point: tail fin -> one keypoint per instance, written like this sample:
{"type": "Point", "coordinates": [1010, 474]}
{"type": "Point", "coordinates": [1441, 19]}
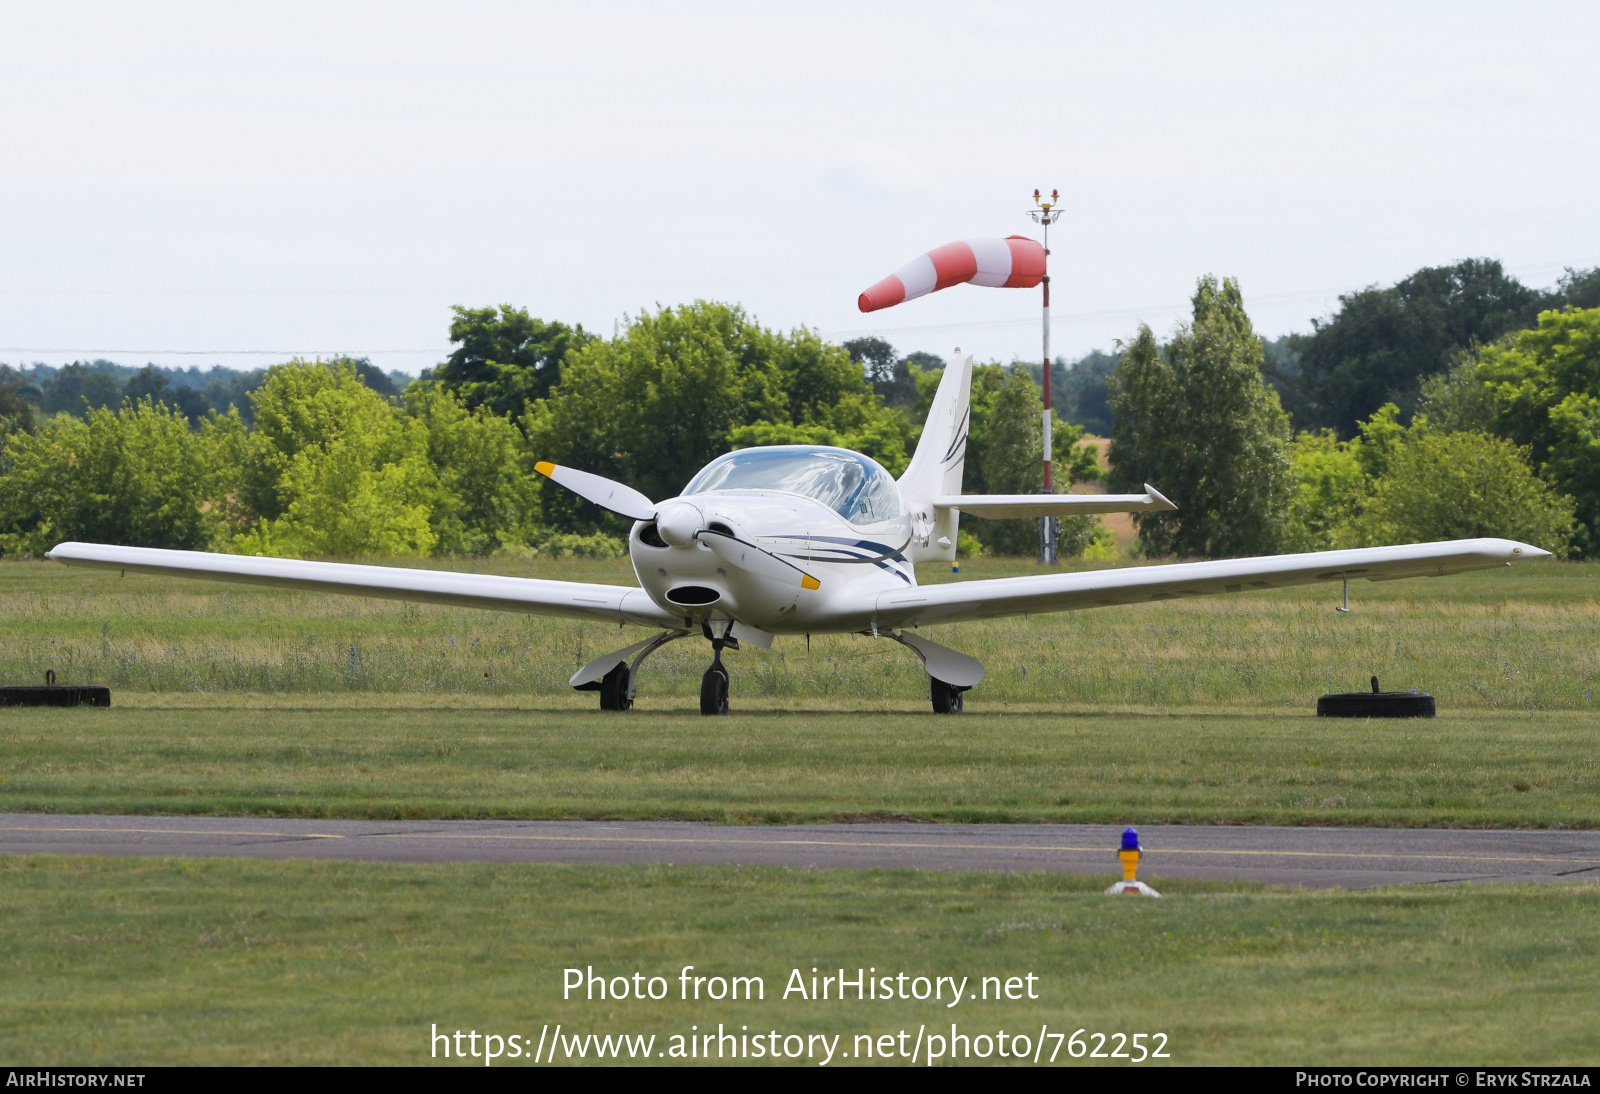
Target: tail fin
{"type": "Point", "coordinates": [936, 468]}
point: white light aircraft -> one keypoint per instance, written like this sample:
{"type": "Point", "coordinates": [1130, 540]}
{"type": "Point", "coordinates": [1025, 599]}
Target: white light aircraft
{"type": "Point", "coordinates": [801, 540]}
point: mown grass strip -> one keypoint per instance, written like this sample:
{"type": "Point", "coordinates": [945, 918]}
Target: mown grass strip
{"type": "Point", "coordinates": [390, 759]}
{"type": "Point", "coordinates": [150, 961]}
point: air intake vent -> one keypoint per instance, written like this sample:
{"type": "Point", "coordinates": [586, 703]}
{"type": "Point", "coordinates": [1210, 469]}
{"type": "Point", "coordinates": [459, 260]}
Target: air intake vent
{"type": "Point", "coordinates": [720, 528]}
{"type": "Point", "coordinates": [693, 596]}
{"type": "Point", "coordinates": [650, 536]}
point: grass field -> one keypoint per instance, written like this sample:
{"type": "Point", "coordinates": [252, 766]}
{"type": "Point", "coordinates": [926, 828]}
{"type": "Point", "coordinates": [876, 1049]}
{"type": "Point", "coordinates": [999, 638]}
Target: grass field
{"type": "Point", "coordinates": [1525, 638]}
{"type": "Point", "coordinates": [253, 701]}
{"type": "Point", "coordinates": [163, 961]}
{"type": "Point", "coordinates": [421, 756]}
{"type": "Point", "coordinates": [233, 700]}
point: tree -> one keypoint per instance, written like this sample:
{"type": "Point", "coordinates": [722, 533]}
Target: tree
{"type": "Point", "coordinates": [890, 375]}
{"type": "Point", "coordinates": [1331, 488]}
{"type": "Point", "coordinates": [1382, 342]}
{"type": "Point", "coordinates": [16, 412]}
{"type": "Point", "coordinates": [77, 387]}
{"type": "Point", "coordinates": [1081, 390]}
{"type": "Point", "coordinates": [680, 386]}
{"type": "Point", "coordinates": [150, 383]}
{"type": "Point", "coordinates": [507, 359]}
{"type": "Point", "coordinates": [1440, 486]}
{"type": "Point", "coordinates": [132, 477]}
{"type": "Point", "coordinates": [1577, 289]}
{"type": "Point", "coordinates": [1544, 387]}
{"type": "Point", "coordinates": [486, 498]}
{"type": "Point", "coordinates": [335, 469]}
{"type": "Point", "coordinates": [1005, 455]}
{"type": "Point", "coordinates": [1197, 421]}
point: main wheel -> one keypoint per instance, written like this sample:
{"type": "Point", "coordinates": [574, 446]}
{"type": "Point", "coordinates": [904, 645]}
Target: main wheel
{"type": "Point", "coordinates": [946, 697]}
{"type": "Point", "coordinates": [614, 689]}
{"type": "Point", "coordinates": [714, 691]}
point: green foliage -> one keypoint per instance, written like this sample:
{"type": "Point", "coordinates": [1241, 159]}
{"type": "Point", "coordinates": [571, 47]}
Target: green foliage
{"type": "Point", "coordinates": [16, 411]}
{"type": "Point", "coordinates": [335, 469]}
{"type": "Point", "coordinates": [131, 476]}
{"type": "Point", "coordinates": [1005, 455]}
{"type": "Point", "coordinates": [78, 387]}
{"type": "Point", "coordinates": [1419, 484]}
{"type": "Point", "coordinates": [892, 377]}
{"type": "Point", "coordinates": [1382, 342]}
{"type": "Point", "coordinates": [148, 383]}
{"type": "Point", "coordinates": [486, 496]}
{"type": "Point", "coordinates": [1439, 486]}
{"type": "Point", "coordinates": [1331, 487]}
{"type": "Point", "coordinates": [506, 358]}
{"type": "Point", "coordinates": [1544, 387]}
{"type": "Point", "coordinates": [568, 545]}
{"type": "Point", "coordinates": [1196, 420]}
{"type": "Point", "coordinates": [680, 386]}
{"type": "Point", "coordinates": [1083, 394]}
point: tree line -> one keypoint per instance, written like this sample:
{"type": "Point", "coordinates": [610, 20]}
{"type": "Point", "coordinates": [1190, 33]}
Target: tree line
{"type": "Point", "coordinates": [1506, 442]}
{"type": "Point", "coordinates": [1252, 438]}
{"type": "Point", "coordinates": [322, 462]}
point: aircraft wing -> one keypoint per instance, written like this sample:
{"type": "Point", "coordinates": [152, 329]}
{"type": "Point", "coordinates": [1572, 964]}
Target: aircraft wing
{"type": "Point", "coordinates": [987, 599]}
{"type": "Point", "coordinates": [571, 599]}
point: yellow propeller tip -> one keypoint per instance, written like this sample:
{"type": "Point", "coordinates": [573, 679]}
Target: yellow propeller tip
{"type": "Point", "coordinates": [809, 582]}
{"type": "Point", "coordinates": [544, 467]}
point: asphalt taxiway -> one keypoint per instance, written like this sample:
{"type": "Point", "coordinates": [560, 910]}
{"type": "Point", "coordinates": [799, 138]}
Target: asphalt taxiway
{"type": "Point", "coordinates": [1309, 857]}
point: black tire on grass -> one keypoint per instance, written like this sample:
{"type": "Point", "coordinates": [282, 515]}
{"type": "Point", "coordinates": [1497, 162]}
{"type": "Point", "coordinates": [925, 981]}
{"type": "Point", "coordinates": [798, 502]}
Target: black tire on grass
{"type": "Point", "coordinates": [614, 689]}
{"type": "Point", "coordinates": [1382, 704]}
{"type": "Point", "coordinates": [714, 691]}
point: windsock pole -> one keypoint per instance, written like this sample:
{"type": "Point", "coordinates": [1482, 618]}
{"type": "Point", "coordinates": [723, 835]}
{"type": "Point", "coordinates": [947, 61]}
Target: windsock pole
{"type": "Point", "coordinates": [1047, 215]}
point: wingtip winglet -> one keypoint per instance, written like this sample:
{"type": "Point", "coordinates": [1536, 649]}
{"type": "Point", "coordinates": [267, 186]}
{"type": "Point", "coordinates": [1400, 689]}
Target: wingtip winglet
{"type": "Point", "coordinates": [1160, 498]}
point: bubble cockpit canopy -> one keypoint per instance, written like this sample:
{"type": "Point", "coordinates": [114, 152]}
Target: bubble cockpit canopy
{"type": "Point", "coordinates": [852, 485]}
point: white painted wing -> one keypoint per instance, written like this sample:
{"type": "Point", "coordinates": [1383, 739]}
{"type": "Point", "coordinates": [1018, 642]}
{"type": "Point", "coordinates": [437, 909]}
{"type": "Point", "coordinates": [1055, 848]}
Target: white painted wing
{"type": "Point", "coordinates": [1006, 506]}
{"type": "Point", "coordinates": [571, 599]}
{"type": "Point", "coordinates": [995, 597]}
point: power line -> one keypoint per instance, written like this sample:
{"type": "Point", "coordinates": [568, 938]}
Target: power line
{"type": "Point", "coordinates": [223, 352]}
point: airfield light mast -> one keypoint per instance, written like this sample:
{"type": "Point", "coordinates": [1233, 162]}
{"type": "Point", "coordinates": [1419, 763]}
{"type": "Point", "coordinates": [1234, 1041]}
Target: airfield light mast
{"type": "Point", "coordinates": [1047, 213]}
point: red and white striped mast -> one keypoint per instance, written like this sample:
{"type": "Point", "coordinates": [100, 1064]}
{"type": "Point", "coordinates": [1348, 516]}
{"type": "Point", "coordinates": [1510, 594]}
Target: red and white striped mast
{"type": "Point", "coordinates": [1047, 214]}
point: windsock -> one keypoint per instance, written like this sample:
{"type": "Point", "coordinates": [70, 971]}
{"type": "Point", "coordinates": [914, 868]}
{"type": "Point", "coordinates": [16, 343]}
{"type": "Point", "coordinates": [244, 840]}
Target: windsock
{"type": "Point", "coordinates": [1015, 262]}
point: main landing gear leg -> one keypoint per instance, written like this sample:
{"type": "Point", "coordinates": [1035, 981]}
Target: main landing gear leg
{"type": "Point", "coordinates": [714, 684]}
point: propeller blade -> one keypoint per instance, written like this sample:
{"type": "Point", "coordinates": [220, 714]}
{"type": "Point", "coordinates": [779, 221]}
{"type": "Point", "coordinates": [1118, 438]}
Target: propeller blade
{"type": "Point", "coordinates": [612, 496]}
{"type": "Point", "coordinates": [747, 556]}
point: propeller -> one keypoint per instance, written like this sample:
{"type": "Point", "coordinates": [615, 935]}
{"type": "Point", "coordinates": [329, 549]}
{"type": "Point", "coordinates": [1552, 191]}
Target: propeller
{"type": "Point", "coordinates": [611, 496]}
{"type": "Point", "coordinates": [625, 501]}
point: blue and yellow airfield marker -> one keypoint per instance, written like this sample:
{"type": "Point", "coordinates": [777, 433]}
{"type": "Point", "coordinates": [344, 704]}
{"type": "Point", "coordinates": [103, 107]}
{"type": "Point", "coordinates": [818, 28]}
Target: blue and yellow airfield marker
{"type": "Point", "coordinates": [1129, 854]}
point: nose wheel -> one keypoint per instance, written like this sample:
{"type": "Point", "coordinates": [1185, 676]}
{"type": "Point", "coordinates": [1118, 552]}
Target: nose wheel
{"type": "Point", "coordinates": [714, 684]}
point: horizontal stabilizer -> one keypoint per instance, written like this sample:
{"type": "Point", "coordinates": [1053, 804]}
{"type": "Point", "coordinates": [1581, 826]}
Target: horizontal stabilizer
{"type": "Point", "coordinates": [1008, 506]}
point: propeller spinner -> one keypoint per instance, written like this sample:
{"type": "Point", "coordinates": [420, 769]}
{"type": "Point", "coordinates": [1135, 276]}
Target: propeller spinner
{"type": "Point", "coordinates": [682, 521]}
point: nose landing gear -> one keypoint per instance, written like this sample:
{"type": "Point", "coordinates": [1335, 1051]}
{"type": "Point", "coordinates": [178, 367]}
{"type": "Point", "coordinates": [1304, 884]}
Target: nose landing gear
{"type": "Point", "coordinates": [714, 684]}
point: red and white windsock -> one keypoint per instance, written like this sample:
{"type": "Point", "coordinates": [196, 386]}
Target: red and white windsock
{"type": "Point", "coordinates": [1015, 262]}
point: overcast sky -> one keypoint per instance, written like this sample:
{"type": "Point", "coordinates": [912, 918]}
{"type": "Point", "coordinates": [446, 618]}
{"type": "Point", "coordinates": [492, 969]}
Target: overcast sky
{"type": "Point", "coordinates": [318, 178]}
